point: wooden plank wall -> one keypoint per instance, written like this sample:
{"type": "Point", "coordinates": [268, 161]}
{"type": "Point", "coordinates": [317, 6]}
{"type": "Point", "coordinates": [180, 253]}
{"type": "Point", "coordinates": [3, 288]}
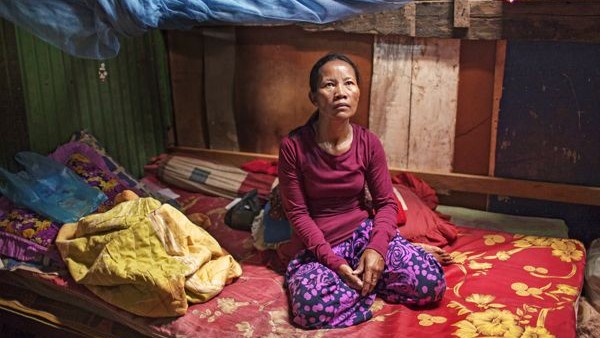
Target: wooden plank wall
{"type": "Point", "coordinates": [548, 127]}
{"type": "Point", "coordinates": [433, 104]}
{"type": "Point", "coordinates": [219, 75]}
{"type": "Point", "coordinates": [480, 86]}
{"type": "Point", "coordinates": [186, 63]}
{"type": "Point", "coordinates": [389, 113]}
{"type": "Point", "coordinates": [273, 67]}
{"type": "Point", "coordinates": [409, 92]}
{"type": "Point", "coordinates": [466, 99]}
{"type": "Point", "coordinates": [270, 91]}
{"type": "Point", "coordinates": [413, 100]}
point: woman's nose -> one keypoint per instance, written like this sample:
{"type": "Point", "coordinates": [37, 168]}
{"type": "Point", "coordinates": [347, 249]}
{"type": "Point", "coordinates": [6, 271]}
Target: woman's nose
{"type": "Point", "coordinates": [340, 92]}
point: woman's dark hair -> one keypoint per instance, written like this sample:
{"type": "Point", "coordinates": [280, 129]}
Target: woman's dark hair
{"type": "Point", "coordinates": [314, 72]}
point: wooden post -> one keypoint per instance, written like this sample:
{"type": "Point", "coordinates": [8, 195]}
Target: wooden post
{"type": "Point", "coordinates": [498, 82]}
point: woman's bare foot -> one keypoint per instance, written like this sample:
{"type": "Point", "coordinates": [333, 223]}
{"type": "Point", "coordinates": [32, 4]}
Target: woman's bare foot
{"type": "Point", "coordinates": [438, 253]}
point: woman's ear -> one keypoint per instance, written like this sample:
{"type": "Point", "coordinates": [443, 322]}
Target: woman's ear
{"type": "Point", "coordinates": [311, 97]}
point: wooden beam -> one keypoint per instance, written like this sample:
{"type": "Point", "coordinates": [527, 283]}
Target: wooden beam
{"type": "Point", "coordinates": [234, 158]}
{"type": "Point", "coordinates": [486, 19]}
{"type": "Point", "coordinates": [462, 13]}
{"type": "Point", "coordinates": [401, 22]}
{"type": "Point", "coordinates": [557, 192]}
{"type": "Point", "coordinates": [498, 84]}
{"type": "Point", "coordinates": [510, 187]}
{"type": "Point", "coordinates": [552, 20]}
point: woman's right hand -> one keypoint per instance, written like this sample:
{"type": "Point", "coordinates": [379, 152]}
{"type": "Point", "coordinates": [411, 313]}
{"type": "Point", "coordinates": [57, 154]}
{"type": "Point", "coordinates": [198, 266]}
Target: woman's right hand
{"type": "Point", "coordinates": [352, 280]}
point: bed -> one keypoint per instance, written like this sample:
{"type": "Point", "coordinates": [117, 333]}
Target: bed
{"type": "Point", "coordinates": [502, 284]}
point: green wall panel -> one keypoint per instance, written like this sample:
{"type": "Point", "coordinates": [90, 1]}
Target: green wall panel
{"type": "Point", "coordinates": [13, 119]}
{"type": "Point", "coordinates": [129, 112]}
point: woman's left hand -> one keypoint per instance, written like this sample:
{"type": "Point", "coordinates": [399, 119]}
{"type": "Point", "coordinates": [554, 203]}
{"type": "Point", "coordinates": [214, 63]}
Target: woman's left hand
{"type": "Point", "coordinates": [371, 266]}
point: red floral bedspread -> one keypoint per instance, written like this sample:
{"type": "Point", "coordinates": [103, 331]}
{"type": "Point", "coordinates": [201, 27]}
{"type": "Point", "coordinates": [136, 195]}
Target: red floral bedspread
{"type": "Point", "coordinates": [502, 285]}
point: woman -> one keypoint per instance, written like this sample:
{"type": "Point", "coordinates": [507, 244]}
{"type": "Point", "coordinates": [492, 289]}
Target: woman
{"type": "Point", "coordinates": [349, 256]}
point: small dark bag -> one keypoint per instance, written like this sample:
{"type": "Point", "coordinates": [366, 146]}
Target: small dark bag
{"type": "Point", "coordinates": [242, 214]}
{"type": "Point", "coordinates": [276, 212]}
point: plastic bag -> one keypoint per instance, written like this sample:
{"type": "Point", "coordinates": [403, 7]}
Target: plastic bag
{"type": "Point", "coordinates": [242, 214]}
{"type": "Point", "coordinates": [49, 188]}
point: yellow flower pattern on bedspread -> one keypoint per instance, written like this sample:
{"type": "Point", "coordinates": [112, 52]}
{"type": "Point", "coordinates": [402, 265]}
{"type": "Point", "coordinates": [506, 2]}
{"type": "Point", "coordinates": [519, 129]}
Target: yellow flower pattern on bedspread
{"type": "Point", "coordinates": [502, 285]}
{"type": "Point", "coordinates": [483, 317]}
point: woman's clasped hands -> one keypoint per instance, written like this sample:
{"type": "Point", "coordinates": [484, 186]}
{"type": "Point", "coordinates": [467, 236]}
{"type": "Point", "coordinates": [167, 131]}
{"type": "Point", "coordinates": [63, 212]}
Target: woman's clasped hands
{"type": "Point", "coordinates": [367, 273]}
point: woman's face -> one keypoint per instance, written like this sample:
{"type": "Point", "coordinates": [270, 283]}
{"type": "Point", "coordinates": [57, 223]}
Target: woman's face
{"type": "Point", "coordinates": [337, 91]}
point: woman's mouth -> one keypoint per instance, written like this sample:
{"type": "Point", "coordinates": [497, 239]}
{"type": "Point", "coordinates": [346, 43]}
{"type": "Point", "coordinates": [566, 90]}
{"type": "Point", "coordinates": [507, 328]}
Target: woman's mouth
{"type": "Point", "coordinates": [341, 105]}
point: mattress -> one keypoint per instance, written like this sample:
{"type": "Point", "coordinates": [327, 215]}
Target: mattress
{"type": "Point", "coordinates": [502, 285]}
{"type": "Point", "coordinates": [526, 225]}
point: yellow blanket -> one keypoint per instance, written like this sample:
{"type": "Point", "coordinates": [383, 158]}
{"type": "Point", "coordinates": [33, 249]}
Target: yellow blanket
{"type": "Point", "coordinates": [146, 258]}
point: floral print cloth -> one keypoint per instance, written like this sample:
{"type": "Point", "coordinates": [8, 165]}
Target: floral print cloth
{"type": "Point", "coordinates": [26, 235]}
{"type": "Point", "coordinates": [97, 178]}
{"type": "Point", "coordinates": [321, 299]}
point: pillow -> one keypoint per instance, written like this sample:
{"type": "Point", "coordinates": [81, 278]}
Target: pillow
{"type": "Point", "coordinates": [113, 166]}
{"type": "Point", "coordinates": [425, 192]}
{"type": "Point", "coordinates": [194, 174]}
{"type": "Point", "coordinates": [94, 176]}
{"type": "Point", "coordinates": [64, 151]}
{"type": "Point", "coordinates": [423, 225]}
{"type": "Point", "coordinates": [261, 166]}
{"type": "Point", "coordinates": [28, 236]}
{"type": "Point", "coordinates": [25, 235]}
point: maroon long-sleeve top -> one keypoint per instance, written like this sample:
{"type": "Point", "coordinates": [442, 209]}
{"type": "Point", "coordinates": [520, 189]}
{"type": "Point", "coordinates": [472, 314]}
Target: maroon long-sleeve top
{"type": "Point", "coordinates": [323, 194]}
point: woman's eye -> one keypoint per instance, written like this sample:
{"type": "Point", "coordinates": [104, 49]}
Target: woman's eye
{"type": "Point", "coordinates": [349, 83]}
{"type": "Point", "coordinates": [329, 84]}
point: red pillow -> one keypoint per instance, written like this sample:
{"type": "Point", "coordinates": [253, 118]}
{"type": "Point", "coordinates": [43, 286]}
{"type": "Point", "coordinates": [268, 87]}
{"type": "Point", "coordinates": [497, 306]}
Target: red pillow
{"type": "Point", "coordinates": [401, 218]}
{"type": "Point", "coordinates": [425, 192]}
{"type": "Point", "coordinates": [423, 225]}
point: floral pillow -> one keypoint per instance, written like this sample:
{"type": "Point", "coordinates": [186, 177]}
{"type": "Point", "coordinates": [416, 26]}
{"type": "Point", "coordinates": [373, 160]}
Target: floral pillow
{"type": "Point", "coordinates": [97, 178]}
{"type": "Point", "coordinates": [113, 166]}
{"type": "Point", "coordinates": [28, 236]}
{"type": "Point", "coordinates": [25, 235]}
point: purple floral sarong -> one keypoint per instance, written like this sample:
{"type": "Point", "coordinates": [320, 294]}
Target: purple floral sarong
{"type": "Point", "coordinates": [319, 298]}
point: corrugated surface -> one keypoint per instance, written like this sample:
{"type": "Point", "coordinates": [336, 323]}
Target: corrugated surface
{"type": "Point", "coordinates": [13, 124]}
{"type": "Point", "coordinates": [129, 112]}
